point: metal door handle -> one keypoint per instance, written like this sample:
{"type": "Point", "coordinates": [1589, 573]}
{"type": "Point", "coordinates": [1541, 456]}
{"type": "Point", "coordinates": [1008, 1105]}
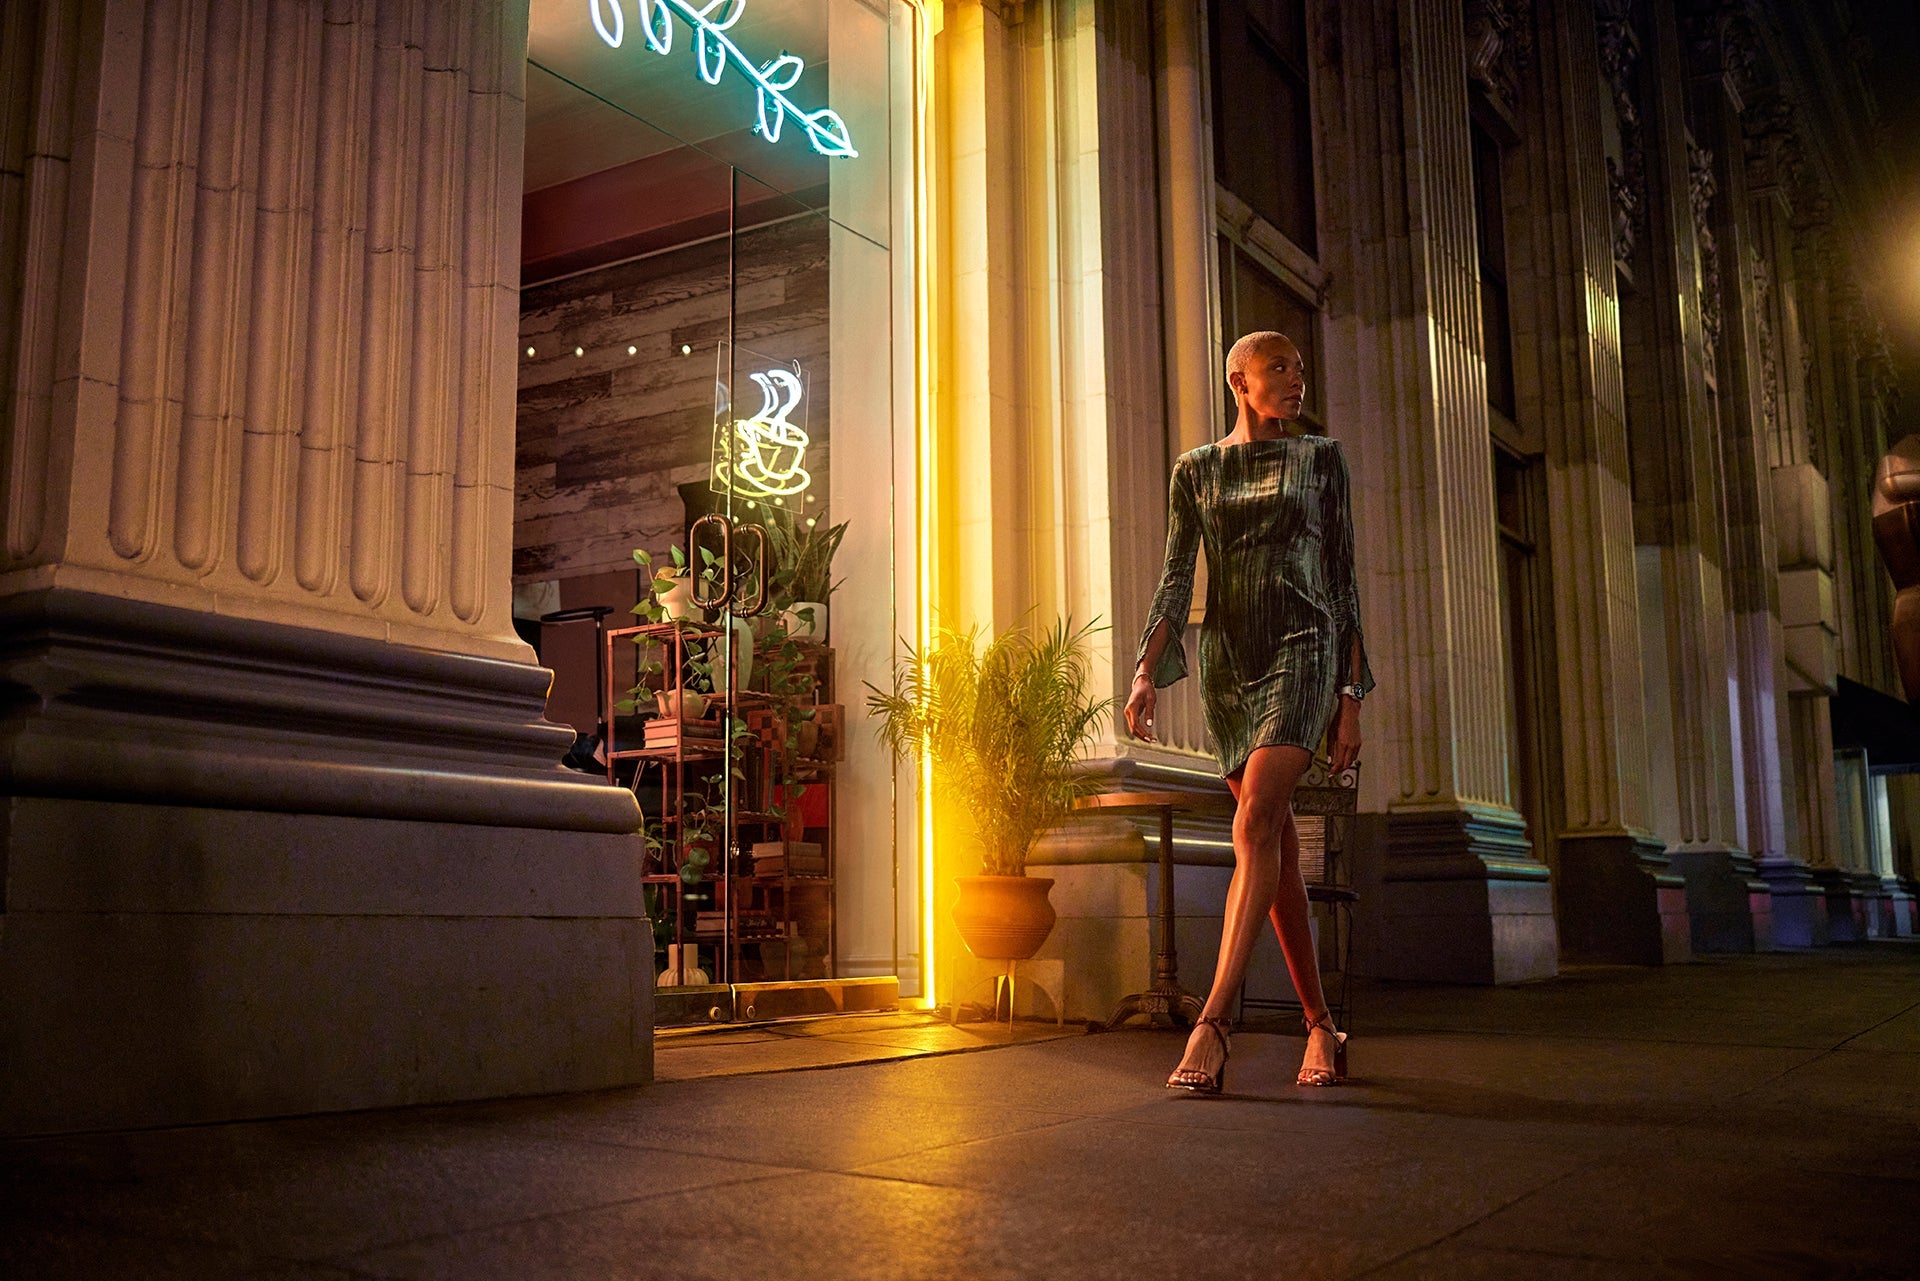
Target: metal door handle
{"type": "Point", "coordinates": [726, 560]}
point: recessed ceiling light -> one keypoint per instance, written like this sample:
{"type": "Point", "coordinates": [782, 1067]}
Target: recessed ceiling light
{"type": "Point", "coordinates": [529, 351]}
{"type": "Point", "coordinates": [685, 350]}
{"type": "Point", "coordinates": [633, 351]}
{"type": "Point", "coordinates": [579, 351]}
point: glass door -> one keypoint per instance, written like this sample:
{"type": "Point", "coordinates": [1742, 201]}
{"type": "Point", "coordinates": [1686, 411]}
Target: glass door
{"type": "Point", "coordinates": [709, 314]}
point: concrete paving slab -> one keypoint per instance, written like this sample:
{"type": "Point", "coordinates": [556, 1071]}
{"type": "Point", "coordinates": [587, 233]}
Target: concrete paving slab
{"type": "Point", "coordinates": [840, 1226]}
{"type": "Point", "coordinates": [1753, 1116]}
{"type": "Point", "coordinates": [306, 1190]}
{"type": "Point", "coordinates": [1697, 1215]}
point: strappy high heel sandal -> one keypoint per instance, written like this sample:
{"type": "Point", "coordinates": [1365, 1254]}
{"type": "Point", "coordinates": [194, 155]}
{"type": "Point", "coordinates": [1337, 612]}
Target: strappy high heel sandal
{"type": "Point", "coordinates": [1205, 1082]}
{"type": "Point", "coordinates": [1320, 1076]}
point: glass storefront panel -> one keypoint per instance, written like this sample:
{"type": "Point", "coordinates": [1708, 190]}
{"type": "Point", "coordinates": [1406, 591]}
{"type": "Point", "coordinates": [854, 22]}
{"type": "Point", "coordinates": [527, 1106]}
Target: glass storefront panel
{"type": "Point", "coordinates": [716, 339]}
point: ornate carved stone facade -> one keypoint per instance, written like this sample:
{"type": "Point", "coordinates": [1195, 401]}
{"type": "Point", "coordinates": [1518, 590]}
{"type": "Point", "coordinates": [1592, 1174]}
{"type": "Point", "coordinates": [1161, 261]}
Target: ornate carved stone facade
{"type": "Point", "coordinates": [1626, 170]}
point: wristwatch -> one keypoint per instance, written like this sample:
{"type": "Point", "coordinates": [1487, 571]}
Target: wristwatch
{"type": "Point", "coordinates": [1354, 691]}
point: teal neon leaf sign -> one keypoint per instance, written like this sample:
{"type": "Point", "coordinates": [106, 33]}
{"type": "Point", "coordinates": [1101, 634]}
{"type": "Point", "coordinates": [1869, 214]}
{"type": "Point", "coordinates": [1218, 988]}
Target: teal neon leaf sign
{"type": "Point", "coordinates": [714, 49]}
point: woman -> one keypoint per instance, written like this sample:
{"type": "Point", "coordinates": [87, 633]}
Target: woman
{"type": "Point", "coordinates": [1281, 655]}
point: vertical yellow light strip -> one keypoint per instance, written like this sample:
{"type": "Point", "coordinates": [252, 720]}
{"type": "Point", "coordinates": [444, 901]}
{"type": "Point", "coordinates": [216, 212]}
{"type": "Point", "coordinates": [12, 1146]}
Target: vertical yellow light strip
{"type": "Point", "coordinates": [923, 464]}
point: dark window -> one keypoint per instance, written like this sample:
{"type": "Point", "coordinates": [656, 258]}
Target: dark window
{"type": "Point", "coordinates": [1262, 114]}
{"type": "Point", "coordinates": [1253, 298]}
{"type": "Point", "coordinates": [1495, 319]}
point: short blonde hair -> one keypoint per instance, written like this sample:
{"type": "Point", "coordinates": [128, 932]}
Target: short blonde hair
{"type": "Point", "coordinates": [1243, 351]}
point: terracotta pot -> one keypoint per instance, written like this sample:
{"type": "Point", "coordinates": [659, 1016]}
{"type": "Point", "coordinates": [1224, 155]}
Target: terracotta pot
{"type": "Point", "coordinates": [1003, 918]}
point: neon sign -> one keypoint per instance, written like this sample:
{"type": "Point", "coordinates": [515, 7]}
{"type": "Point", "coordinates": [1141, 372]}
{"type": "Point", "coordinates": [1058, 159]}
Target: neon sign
{"type": "Point", "coordinates": [770, 449]}
{"type": "Point", "coordinates": [714, 49]}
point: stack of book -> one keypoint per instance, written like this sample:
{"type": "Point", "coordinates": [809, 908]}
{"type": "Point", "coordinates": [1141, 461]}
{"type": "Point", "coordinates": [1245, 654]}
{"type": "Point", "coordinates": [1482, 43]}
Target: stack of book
{"type": "Point", "coordinates": [690, 735]}
{"type": "Point", "coordinates": [789, 858]}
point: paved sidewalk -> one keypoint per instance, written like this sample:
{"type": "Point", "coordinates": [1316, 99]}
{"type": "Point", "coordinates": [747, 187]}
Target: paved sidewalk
{"type": "Point", "coordinates": [1741, 1117]}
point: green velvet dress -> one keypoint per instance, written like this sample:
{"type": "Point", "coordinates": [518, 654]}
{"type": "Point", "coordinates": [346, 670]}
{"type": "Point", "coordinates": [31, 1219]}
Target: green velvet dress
{"type": "Point", "coordinates": [1283, 612]}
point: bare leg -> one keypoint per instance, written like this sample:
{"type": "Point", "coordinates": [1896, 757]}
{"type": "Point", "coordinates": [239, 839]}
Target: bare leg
{"type": "Point", "coordinates": [1292, 917]}
{"type": "Point", "coordinates": [1264, 792]}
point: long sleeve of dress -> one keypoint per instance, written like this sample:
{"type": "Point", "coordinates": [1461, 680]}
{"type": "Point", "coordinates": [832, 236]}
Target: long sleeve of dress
{"type": "Point", "coordinates": [1174, 599]}
{"type": "Point", "coordinates": [1343, 593]}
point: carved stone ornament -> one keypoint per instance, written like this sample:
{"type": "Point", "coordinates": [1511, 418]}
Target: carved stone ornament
{"type": "Point", "coordinates": [1774, 158]}
{"type": "Point", "coordinates": [1499, 46]}
{"type": "Point", "coordinates": [1701, 188]}
{"type": "Point", "coordinates": [1626, 179]}
{"type": "Point", "coordinates": [1769, 356]}
{"type": "Point", "coordinates": [1720, 40]}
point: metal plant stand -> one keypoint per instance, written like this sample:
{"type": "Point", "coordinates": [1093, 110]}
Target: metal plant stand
{"type": "Point", "coordinates": [1166, 998]}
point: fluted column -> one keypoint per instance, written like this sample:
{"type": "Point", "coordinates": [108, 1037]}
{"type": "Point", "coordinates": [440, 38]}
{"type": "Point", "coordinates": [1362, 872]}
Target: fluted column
{"type": "Point", "coordinates": [270, 265]}
{"type": "Point", "coordinates": [1719, 52]}
{"type": "Point", "coordinates": [1610, 873]}
{"type": "Point", "coordinates": [1803, 536]}
{"type": "Point", "coordinates": [1463, 896]}
{"type": "Point", "coordinates": [284, 826]}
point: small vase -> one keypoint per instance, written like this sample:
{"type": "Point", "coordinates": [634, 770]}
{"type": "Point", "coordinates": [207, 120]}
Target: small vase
{"type": "Point", "coordinates": [678, 599]}
{"type": "Point", "coordinates": [683, 967]}
{"type": "Point", "coordinates": [808, 626]}
{"type": "Point", "coordinates": [1003, 918]}
{"type": "Point", "coordinates": [742, 653]}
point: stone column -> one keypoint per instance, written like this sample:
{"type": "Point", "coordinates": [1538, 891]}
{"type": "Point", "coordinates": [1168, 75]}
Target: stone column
{"type": "Point", "coordinates": [286, 827]}
{"type": "Point", "coordinates": [1803, 534]}
{"type": "Point", "coordinates": [1673, 445]}
{"type": "Point", "coordinates": [1611, 869]}
{"type": "Point", "coordinates": [1463, 897]}
{"type": "Point", "coordinates": [1730, 906]}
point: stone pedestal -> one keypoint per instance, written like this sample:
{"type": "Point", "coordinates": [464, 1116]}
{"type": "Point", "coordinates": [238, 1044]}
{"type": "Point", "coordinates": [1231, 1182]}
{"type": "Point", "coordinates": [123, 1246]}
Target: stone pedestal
{"type": "Point", "coordinates": [1463, 902]}
{"type": "Point", "coordinates": [1728, 905]}
{"type": "Point", "coordinates": [1799, 903]}
{"type": "Point", "coordinates": [253, 869]}
{"type": "Point", "coordinates": [1621, 901]}
{"type": "Point", "coordinates": [1903, 908]}
{"type": "Point", "coordinates": [165, 965]}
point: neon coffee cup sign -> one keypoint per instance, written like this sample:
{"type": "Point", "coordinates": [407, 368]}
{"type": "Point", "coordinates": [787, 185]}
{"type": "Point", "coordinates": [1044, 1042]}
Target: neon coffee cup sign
{"type": "Point", "coordinates": [714, 49]}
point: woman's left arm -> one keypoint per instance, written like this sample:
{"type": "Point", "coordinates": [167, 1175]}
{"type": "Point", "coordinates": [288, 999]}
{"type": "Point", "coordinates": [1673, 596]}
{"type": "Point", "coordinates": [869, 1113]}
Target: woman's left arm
{"type": "Point", "coordinates": [1343, 595]}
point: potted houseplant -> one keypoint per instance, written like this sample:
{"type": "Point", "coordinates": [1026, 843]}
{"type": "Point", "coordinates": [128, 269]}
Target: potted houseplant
{"type": "Point", "coordinates": [804, 579]}
{"type": "Point", "coordinates": [670, 599]}
{"type": "Point", "coordinates": [1004, 725]}
{"type": "Point", "coordinates": [671, 590]}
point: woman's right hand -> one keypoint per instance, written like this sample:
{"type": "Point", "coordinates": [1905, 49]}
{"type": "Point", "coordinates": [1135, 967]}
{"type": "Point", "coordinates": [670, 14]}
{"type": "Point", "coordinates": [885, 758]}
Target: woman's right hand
{"type": "Point", "coordinates": [1140, 708]}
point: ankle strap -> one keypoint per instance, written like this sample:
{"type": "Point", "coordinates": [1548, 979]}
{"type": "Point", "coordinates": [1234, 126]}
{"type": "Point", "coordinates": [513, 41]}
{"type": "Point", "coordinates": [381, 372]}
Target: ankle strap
{"type": "Point", "coordinates": [1324, 1021]}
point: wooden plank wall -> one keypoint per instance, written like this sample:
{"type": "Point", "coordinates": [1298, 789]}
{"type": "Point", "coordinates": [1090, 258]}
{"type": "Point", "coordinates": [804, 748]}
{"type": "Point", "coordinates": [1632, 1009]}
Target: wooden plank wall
{"type": "Point", "coordinates": [604, 438]}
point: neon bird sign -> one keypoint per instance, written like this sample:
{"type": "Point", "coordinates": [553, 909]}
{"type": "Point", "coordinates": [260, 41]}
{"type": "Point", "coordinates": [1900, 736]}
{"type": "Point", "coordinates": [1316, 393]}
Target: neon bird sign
{"type": "Point", "coordinates": [714, 49]}
{"type": "Point", "coordinates": [771, 449]}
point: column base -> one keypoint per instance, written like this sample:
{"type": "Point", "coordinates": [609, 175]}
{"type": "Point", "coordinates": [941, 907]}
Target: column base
{"type": "Point", "coordinates": [1799, 903]}
{"type": "Point", "coordinates": [1464, 901]}
{"type": "Point", "coordinates": [1871, 908]}
{"type": "Point", "coordinates": [167, 965]}
{"type": "Point", "coordinates": [1903, 908]}
{"type": "Point", "coordinates": [1621, 902]}
{"type": "Point", "coordinates": [112, 699]}
{"type": "Point", "coordinates": [1846, 909]}
{"type": "Point", "coordinates": [253, 869]}
{"type": "Point", "coordinates": [1728, 906]}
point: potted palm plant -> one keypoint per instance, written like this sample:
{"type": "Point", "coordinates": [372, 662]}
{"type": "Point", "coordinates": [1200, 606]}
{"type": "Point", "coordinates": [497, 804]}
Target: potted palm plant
{"type": "Point", "coordinates": [1005, 726]}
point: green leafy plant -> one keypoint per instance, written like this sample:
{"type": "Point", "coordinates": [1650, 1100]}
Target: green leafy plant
{"type": "Point", "coordinates": [1005, 726]}
{"type": "Point", "coordinates": [803, 556]}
